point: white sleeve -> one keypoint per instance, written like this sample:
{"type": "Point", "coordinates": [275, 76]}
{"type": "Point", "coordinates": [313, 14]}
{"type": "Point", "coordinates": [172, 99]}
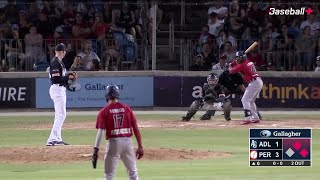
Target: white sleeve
{"type": "Point", "coordinates": [98, 138]}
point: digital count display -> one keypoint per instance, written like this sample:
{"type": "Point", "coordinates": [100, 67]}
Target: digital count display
{"type": "Point", "coordinates": [280, 147]}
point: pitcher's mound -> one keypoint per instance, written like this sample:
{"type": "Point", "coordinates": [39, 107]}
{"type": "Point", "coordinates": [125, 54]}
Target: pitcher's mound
{"type": "Point", "coordinates": [66, 154]}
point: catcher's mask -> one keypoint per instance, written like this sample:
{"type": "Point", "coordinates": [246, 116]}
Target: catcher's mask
{"type": "Point", "coordinates": [240, 56]}
{"type": "Point", "coordinates": [212, 79]}
{"type": "Point", "coordinates": [112, 92]}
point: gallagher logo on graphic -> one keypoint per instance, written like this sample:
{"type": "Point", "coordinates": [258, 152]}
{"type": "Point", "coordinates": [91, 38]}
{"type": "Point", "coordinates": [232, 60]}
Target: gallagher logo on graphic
{"type": "Point", "coordinates": [290, 11]}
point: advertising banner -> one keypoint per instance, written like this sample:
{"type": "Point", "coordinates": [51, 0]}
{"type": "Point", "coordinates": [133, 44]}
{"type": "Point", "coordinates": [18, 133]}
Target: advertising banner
{"type": "Point", "coordinates": [285, 93]}
{"type": "Point", "coordinates": [90, 92]}
{"type": "Point", "coordinates": [17, 93]}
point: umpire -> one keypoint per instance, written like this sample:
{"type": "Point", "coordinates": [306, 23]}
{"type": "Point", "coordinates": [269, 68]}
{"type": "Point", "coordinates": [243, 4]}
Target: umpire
{"type": "Point", "coordinates": [59, 80]}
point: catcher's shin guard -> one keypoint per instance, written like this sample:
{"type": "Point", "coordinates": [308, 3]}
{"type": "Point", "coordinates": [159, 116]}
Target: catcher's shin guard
{"type": "Point", "coordinates": [227, 110]}
{"type": "Point", "coordinates": [207, 115]}
{"type": "Point", "coordinates": [189, 115]}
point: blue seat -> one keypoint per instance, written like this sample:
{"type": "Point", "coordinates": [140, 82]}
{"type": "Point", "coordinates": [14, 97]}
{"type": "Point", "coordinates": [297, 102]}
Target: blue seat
{"type": "Point", "coordinates": [40, 66]}
{"type": "Point", "coordinates": [127, 47]}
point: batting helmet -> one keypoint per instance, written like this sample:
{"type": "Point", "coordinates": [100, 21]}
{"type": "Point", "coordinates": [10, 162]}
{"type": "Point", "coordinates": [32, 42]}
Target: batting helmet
{"type": "Point", "coordinates": [240, 56]}
{"type": "Point", "coordinates": [212, 79]}
{"type": "Point", "coordinates": [112, 92]}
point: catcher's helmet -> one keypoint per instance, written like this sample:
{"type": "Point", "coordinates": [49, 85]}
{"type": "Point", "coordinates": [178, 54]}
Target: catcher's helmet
{"type": "Point", "coordinates": [212, 79]}
{"type": "Point", "coordinates": [112, 92]}
{"type": "Point", "coordinates": [240, 56]}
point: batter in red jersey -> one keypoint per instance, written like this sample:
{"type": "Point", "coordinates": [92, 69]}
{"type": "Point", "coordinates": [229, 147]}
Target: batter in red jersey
{"type": "Point", "coordinates": [119, 123]}
{"type": "Point", "coordinates": [255, 84]}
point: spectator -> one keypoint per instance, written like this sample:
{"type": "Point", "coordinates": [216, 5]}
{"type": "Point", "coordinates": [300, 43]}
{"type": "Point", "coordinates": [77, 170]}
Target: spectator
{"type": "Point", "coordinates": [80, 30]}
{"type": "Point", "coordinates": [203, 37]}
{"type": "Point", "coordinates": [69, 14]}
{"type": "Point", "coordinates": [266, 46]}
{"type": "Point", "coordinates": [70, 55]}
{"type": "Point", "coordinates": [87, 55]}
{"type": "Point", "coordinates": [11, 12]}
{"type": "Point", "coordinates": [293, 28]}
{"type": "Point", "coordinates": [234, 10]}
{"type": "Point", "coordinates": [33, 12]}
{"type": "Point", "coordinates": [111, 54]}
{"type": "Point", "coordinates": [34, 49]}
{"type": "Point", "coordinates": [44, 26]}
{"type": "Point", "coordinates": [229, 51]}
{"type": "Point", "coordinates": [318, 65]}
{"type": "Point", "coordinates": [235, 27]}
{"type": "Point", "coordinates": [305, 46]}
{"type": "Point", "coordinates": [140, 18]}
{"type": "Point", "coordinates": [218, 9]}
{"type": "Point", "coordinates": [225, 37]}
{"type": "Point", "coordinates": [99, 28]}
{"type": "Point", "coordinates": [95, 66]}
{"type": "Point", "coordinates": [281, 44]}
{"type": "Point", "coordinates": [255, 16]}
{"type": "Point", "coordinates": [198, 64]}
{"type": "Point", "coordinates": [24, 24]}
{"type": "Point", "coordinates": [257, 59]}
{"type": "Point", "coordinates": [246, 39]}
{"type": "Point", "coordinates": [77, 64]}
{"type": "Point", "coordinates": [127, 19]}
{"type": "Point", "coordinates": [150, 13]}
{"type": "Point", "coordinates": [209, 57]}
{"type": "Point", "coordinates": [312, 22]}
{"type": "Point", "coordinates": [14, 50]}
{"type": "Point", "coordinates": [222, 63]}
{"type": "Point", "coordinates": [215, 25]}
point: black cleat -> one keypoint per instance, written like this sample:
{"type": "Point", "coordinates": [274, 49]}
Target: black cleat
{"type": "Point", "coordinates": [185, 119]}
{"type": "Point", "coordinates": [61, 143]}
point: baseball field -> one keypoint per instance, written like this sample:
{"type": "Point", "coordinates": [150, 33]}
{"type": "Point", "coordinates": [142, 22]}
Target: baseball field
{"type": "Point", "coordinates": [174, 150]}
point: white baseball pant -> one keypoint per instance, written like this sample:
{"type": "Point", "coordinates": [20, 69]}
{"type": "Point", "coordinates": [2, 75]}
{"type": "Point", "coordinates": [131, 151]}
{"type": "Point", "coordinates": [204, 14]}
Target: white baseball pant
{"type": "Point", "coordinates": [59, 98]}
{"type": "Point", "coordinates": [250, 96]}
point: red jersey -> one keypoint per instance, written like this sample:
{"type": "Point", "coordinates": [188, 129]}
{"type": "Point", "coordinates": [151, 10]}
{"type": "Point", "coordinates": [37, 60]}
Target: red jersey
{"type": "Point", "coordinates": [247, 69]}
{"type": "Point", "coordinates": [117, 119]}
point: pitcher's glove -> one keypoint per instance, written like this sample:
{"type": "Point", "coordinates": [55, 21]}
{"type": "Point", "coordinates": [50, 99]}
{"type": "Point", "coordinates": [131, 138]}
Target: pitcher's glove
{"type": "Point", "coordinates": [75, 76]}
{"type": "Point", "coordinates": [95, 157]}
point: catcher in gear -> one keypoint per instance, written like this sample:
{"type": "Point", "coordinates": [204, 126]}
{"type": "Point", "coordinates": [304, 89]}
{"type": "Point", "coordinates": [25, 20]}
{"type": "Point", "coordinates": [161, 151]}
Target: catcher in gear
{"type": "Point", "coordinates": [213, 99]}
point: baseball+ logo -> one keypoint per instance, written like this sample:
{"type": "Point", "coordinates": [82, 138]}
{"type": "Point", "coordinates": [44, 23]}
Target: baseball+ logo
{"type": "Point", "coordinates": [265, 133]}
{"type": "Point", "coordinates": [290, 11]}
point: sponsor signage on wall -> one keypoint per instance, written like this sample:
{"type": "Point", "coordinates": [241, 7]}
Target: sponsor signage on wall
{"type": "Point", "coordinates": [90, 92]}
{"type": "Point", "coordinates": [17, 93]}
{"type": "Point", "coordinates": [288, 93]}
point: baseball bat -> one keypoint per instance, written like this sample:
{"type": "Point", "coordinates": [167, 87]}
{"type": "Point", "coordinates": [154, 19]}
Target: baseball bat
{"type": "Point", "coordinates": [250, 48]}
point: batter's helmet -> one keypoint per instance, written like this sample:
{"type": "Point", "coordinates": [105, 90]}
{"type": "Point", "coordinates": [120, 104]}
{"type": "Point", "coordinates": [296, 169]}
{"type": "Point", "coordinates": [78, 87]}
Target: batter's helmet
{"type": "Point", "coordinates": [112, 92]}
{"type": "Point", "coordinates": [212, 79]}
{"type": "Point", "coordinates": [240, 56]}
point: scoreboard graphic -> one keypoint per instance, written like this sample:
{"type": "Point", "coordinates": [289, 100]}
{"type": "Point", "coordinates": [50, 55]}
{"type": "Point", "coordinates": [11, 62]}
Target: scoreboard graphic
{"type": "Point", "coordinates": [280, 147]}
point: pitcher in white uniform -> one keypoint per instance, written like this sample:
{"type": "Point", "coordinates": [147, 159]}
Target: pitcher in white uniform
{"type": "Point", "coordinates": [59, 80]}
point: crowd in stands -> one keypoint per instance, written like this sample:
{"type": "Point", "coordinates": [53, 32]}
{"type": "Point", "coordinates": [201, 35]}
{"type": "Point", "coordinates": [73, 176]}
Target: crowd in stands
{"type": "Point", "coordinates": [29, 30]}
{"type": "Point", "coordinates": [285, 42]}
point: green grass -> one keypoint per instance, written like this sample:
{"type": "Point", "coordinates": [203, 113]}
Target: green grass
{"type": "Point", "coordinates": [233, 140]}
